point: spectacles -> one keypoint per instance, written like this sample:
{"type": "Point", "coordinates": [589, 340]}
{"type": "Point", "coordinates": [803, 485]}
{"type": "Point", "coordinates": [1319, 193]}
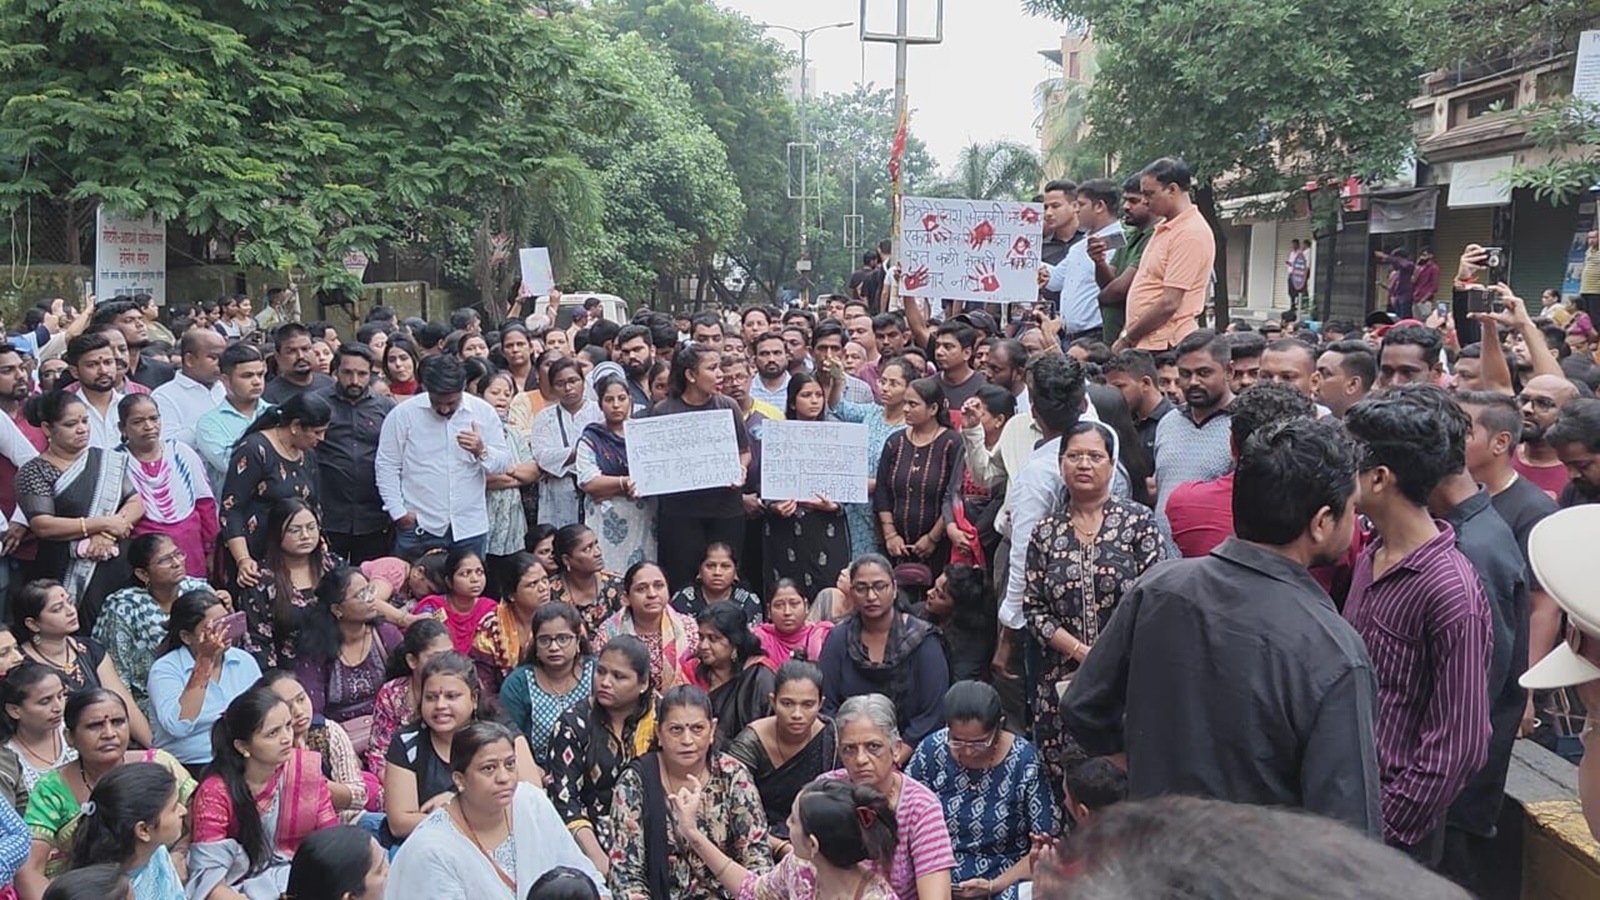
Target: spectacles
{"type": "Point", "coordinates": [309, 528]}
{"type": "Point", "coordinates": [546, 641]}
{"type": "Point", "coordinates": [876, 587]}
{"type": "Point", "coordinates": [1092, 457]}
{"type": "Point", "coordinates": [1544, 403]}
{"type": "Point", "coordinates": [365, 595]}
{"type": "Point", "coordinates": [976, 746]}
{"type": "Point", "coordinates": [873, 749]}
{"type": "Point", "coordinates": [175, 558]}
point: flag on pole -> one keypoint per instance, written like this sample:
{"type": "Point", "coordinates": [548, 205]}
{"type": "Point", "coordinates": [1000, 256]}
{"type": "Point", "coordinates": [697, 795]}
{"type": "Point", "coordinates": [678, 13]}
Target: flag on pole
{"type": "Point", "coordinates": [899, 152]}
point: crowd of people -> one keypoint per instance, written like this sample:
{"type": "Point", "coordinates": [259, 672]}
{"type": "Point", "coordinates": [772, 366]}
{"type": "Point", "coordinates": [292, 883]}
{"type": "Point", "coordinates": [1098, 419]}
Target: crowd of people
{"type": "Point", "coordinates": [287, 609]}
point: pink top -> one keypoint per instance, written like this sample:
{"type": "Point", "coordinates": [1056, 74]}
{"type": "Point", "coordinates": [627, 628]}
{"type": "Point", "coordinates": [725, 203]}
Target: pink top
{"type": "Point", "coordinates": [462, 626]}
{"type": "Point", "coordinates": [924, 845]}
{"type": "Point", "coordinates": [780, 648]}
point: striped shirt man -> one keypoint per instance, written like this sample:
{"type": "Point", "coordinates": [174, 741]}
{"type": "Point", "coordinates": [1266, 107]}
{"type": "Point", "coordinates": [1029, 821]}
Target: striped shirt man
{"type": "Point", "coordinates": [1426, 623]}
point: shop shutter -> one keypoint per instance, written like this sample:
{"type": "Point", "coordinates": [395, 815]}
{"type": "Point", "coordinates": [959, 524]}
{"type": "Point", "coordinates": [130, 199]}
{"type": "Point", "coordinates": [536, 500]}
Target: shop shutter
{"type": "Point", "coordinates": [1541, 235]}
{"type": "Point", "coordinates": [1456, 229]}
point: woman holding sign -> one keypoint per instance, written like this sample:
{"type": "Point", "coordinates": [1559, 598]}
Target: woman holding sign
{"type": "Point", "coordinates": [624, 521]}
{"type": "Point", "coordinates": [689, 520]}
{"type": "Point", "coordinates": [805, 541]}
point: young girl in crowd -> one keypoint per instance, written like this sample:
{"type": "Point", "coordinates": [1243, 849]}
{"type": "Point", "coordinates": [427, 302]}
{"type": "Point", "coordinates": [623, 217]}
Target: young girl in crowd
{"type": "Point", "coordinates": [556, 673]}
{"type": "Point", "coordinates": [465, 606]}
{"type": "Point", "coordinates": [132, 819]}
{"type": "Point", "coordinates": [34, 700]}
{"type": "Point", "coordinates": [503, 639]}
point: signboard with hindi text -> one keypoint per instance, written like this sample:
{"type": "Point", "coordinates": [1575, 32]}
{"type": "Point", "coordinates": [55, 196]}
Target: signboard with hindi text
{"type": "Point", "coordinates": [682, 452]}
{"type": "Point", "coordinates": [130, 256]}
{"type": "Point", "coordinates": [800, 460]}
{"type": "Point", "coordinates": [985, 250]}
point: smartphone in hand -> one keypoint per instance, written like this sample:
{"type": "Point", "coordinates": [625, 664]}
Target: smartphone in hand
{"type": "Point", "coordinates": [232, 626]}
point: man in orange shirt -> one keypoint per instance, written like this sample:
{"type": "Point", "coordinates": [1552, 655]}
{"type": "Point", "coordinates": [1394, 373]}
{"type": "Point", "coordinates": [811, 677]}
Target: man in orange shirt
{"type": "Point", "coordinates": [1169, 289]}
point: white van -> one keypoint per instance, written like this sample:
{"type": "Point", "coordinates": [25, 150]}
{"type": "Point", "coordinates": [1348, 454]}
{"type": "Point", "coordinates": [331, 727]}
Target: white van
{"type": "Point", "coordinates": [613, 307]}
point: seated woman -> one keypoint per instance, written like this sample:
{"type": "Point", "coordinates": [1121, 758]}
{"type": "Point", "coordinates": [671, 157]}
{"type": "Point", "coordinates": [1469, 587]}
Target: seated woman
{"type": "Point", "coordinates": [506, 637]}
{"type": "Point", "coordinates": [599, 737]}
{"type": "Point", "coordinates": [396, 705]}
{"type": "Point", "coordinates": [992, 786]}
{"type": "Point", "coordinates": [582, 578]}
{"type": "Point", "coordinates": [33, 697]}
{"type": "Point", "coordinates": [556, 674]}
{"type": "Point", "coordinates": [463, 606]}
{"type": "Point", "coordinates": [137, 817]}
{"type": "Point", "coordinates": [868, 734]}
{"type": "Point", "coordinates": [961, 606]}
{"type": "Point", "coordinates": [286, 586]}
{"type": "Point", "coordinates": [343, 650]}
{"type": "Point", "coordinates": [788, 749]}
{"type": "Point", "coordinates": [97, 727]}
{"type": "Point", "coordinates": [46, 629]}
{"type": "Point", "coordinates": [671, 636]}
{"type": "Point", "coordinates": [353, 790]}
{"type": "Point", "coordinates": [787, 634]}
{"type": "Point", "coordinates": [134, 619]}
{"type": "Point", "coordinates": [80, 504]}
{"type": "Point", "coordinates": [496, 836]}
{"type": "Point", "coordinates": [406, 583]}
{"type": "Point", "coordinates": [730, 667]}
{"type": "Point", "coordinates": [263, 796]}
{"type": "Point", "coordinates": [648, 858]}
{"type": "Point", "coordinates": [718, 582]}
{"type": "Point", "coordinates": [416, 779]}
{"type": "Point", "coordinates": [197, 674]}
{"type": "Point", "coordinates": [844, 835]}
{"type": "Point", "coordinates": [339, 863]}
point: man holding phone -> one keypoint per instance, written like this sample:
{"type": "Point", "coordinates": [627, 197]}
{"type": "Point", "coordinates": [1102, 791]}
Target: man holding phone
{"type": "Point", "coordinates": [1116, 276]}
{"type": "Point", "coordinates": [1075, 278]}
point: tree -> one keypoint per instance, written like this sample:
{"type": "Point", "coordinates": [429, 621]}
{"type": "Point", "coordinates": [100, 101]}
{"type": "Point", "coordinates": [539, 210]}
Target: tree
{"type": "Point", "coordinates": [299, 131]}
{"type": "Point", "coordinates": [1063, 125]}
{"type": "Point", "coordinates": [1259, 97]}
{"type": "Point", "coordinates": [855, 140]}
{"type": "Point", "coordinates": [733, 73]}
{"type": "Point", "coordinates": [1000, 170]}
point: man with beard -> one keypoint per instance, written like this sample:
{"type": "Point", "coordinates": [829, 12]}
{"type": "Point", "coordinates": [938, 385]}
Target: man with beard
{"type": "Point", "coordinates": [1542, 399]}
{"type": "Point", "coordinates": [771, 385]}
{"type": "Point", "coordinates": [93, 364]}
{"type": "Point", "coordinates": [1192, 443]}
{"type": "Point", "coordinates": [1006, 365]}
{"type": "Point", "coordinates": [1575, 440]}
{"type": "Point", "coordinates": [635, 355]}
{"type": "Point", "coordinates": [1295, 725]}
{"type": "Point", "coordinates": [127, 317]}
{"type": "Point", "coordinates": [296, 373]}
{"type": "Point", "coordinates": [352, 511]}
{"type": "Point", "coordinates": [1138, 222]}
{"type": "Point", "coordinates": [18, 445]}
{"type": "Point", "coordinates": [194, 391]}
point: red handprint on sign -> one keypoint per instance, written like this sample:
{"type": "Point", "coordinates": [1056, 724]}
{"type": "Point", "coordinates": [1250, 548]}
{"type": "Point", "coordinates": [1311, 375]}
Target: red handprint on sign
{"type": "Point", "coordinates": [987, 281]}
{"type": "Point", "coordinates": [915, 280]}
{"type": "Point", "coordinates": [933, 229]}
{"type": "Point", "coordinates": [1028, 216]}
{"type": "Point", "coordinates": [1021, 247]}
{"type": "Point", "coordinates": [981, 234]}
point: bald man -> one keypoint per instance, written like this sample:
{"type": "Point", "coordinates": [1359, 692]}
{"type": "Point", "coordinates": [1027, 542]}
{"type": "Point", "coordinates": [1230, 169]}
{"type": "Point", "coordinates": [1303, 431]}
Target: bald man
{"type": "Point", "coordinates": [1541, 401]}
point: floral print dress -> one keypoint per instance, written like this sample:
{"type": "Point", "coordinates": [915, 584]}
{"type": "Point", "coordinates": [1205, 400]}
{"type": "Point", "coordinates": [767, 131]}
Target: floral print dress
{"type": "Point", "coordinates": [730, 815]}
{"type": "Point", "coordinates": [131, 626]}
{"type": "Point", "coordinates": [1076, 585]}
{"type": "Point", "coordinates": [608, 600]}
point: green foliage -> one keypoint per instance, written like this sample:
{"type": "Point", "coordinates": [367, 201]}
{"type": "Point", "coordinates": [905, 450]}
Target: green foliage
{"type": "Point", "coordinates": [853, 130]}
{"type": "Point", "coordinates": [1063, 125]}
{"type": "Point", "coordinates": [1569, 128]}
{"type": "Point", "coordinates": [733, 74]}
{"type": "Point", "coordinates": [1000, 170]}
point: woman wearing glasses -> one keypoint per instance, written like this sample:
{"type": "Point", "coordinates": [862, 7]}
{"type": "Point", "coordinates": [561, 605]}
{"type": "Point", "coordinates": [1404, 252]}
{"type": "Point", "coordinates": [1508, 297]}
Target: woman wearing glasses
{"type": "Point", "coordinates": [344, 650]}
{"type": "Point", "coordinates": [134, 619]}
{"type": "Point", "coordinates": [1080, 561]}
{"type": "Point", "coordinates": [923, 859]}
{"type": "Point", "coordinates": [879, 650]}
{"type": "Point", "coordinates": [556, 673]}
{"type": "Point", "coordinates": [992, 789]}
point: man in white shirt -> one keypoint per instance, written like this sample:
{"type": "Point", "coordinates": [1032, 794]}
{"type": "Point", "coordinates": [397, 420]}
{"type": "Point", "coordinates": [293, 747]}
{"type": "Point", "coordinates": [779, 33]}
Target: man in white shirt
{"type": "Point", "coordinates": [433, 455]}
{"type": "Point", "coordinates": [93, 364]}
{"type": "Point", "coordinates": [1074, 277]}
{"type": "Point", "coordinates": [196, 389]}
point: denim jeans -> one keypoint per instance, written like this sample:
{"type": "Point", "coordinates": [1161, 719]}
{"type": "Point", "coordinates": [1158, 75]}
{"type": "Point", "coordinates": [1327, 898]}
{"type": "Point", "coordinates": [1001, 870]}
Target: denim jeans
{"type": "Point", "coordinates": [412, 543]}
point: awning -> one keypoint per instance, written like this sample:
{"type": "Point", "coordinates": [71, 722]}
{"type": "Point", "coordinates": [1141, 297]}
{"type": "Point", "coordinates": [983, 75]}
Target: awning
{"type": "Point", "coordinates": [1481, 182]}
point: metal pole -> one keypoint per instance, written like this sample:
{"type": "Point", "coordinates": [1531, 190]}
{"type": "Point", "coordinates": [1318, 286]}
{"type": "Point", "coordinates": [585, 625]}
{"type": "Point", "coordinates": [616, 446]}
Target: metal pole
{"type": "Point", "coordinates": [804, 164]}
{"type": "Point", "coordinates": [902, 22]}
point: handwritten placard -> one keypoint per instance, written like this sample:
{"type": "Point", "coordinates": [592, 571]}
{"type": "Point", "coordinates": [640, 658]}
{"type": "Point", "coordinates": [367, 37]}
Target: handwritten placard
{"type": "Point", "coordinates": [802, 459]}
{"type": "Point", "coordinates": [969, 250]}
{"type": "Point", "coordinates": [538, 277]}
{"type": "Point", "coordinates": [130, 256]}
{"type": "Point", "coordinates": [682, 452]}
{"type": "Point", "coordinates": [1586, 71]}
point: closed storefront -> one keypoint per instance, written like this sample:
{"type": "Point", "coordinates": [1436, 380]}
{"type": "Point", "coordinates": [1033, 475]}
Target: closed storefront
{"type": "Point", "coordinates": [1541, 236]}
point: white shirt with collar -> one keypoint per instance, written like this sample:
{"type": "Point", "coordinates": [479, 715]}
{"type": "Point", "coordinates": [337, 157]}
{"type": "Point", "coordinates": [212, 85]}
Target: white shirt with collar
{"type": "Point", "coordinates": [105, 431]}
{"type": "Point", "coordinates": [422, 470]}
{"type": "Point", "coordinates": [182, 402]}
{"type": "Point", "coordinates": [1073, 278]}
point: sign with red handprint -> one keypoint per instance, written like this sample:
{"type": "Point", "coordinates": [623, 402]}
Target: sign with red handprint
{"type": "Point", "coordinates": [969, 249]}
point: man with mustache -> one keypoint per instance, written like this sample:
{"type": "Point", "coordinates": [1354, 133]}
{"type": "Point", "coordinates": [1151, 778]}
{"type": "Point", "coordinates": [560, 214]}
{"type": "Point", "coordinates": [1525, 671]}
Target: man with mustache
{"type": "Point", "coordinates": [1542, 399]}
{"type": "Point", "coordinates": [1575, 438]}
{"type": "Point", "coordinates": [352, 510]}
{"type": "Point", "coordinates": [1192, 444]}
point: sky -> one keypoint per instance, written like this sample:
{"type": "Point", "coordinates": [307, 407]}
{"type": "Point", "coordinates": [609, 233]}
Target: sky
{"type": "Point", "coordinates": [951, 104]}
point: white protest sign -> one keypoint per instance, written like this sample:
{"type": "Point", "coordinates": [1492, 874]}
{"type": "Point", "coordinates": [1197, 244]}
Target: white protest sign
{"type": "Point", "coordinates": [1586, 71]}
{"type": "Point", "coordinates": [130, 256]}
{"type": "Point", "coordinates": [970, 249]}
{"type": "Point", "coordinates": [537, 275]}
{"type": "Point", "coordinates": [682, 452]}
{"type": "Point", "coordinates": [802, 459]}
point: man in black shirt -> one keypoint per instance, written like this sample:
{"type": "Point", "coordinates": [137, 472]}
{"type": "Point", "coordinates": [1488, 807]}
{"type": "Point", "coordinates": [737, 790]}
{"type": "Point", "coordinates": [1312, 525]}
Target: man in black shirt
{"type": "Point", "coordinates": [353, 519]}
{"type": "Point", "coordinates": [1133, 372]}
{"type": "Point", "coordinates": [1232, 675]}
{"type": "Point", "coordinates": [295, 374]}
{"type": "Point", "coordinates": [1060, 229]}
{"type": "Point", "coordinates": [129, 319]}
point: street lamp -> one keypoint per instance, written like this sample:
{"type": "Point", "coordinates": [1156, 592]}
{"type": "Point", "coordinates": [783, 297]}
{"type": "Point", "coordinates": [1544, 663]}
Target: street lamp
{"type": "Point", "coordinates": [805, 136]}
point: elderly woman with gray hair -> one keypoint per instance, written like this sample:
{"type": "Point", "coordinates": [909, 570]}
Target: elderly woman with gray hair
{"type": "Point", "coordinates": [868, 737]}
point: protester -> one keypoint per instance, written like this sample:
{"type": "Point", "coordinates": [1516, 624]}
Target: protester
{"type": "Point", "coordinates": [671, 636]}
{"type": "Point", "coordinates": [396, 706]}
{"type": "Point", "coordinates": [197, 674]}
{"type": "Point", "coordinates": [171, 481]}
{"type": "Point", "coordinates": [582, 578]}
{"type": "Point", "coordinates": [47, 631]}
{"type": "Point", "coordinates": [789, 748]}
{"type": "Point", "coordinates": [556, 673]}
{"type": "Point", "coordinates": [275, 460]}
{"type": "Point", "coordinates": [134, 619]}
{"type": "Point", "coordinates": [351, 789]}
{"type": "Point", "coordinates": [610, 496]}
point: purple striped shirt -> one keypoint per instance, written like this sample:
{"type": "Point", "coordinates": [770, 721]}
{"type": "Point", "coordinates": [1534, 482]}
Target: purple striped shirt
{"type": "Point", "coordinates": [1427, 627]}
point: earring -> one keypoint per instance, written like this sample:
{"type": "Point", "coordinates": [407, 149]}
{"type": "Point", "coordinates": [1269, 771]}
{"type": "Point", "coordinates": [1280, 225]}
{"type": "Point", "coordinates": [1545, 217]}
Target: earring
{"type": "Point", "coordinates": [245, 753]}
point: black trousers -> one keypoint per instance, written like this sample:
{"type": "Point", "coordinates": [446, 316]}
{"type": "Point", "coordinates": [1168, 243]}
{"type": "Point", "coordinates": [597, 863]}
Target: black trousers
{"type": "Point", "coordinates": [682, 540]}
{"type": "Point", "coordinates": [359, 548]}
